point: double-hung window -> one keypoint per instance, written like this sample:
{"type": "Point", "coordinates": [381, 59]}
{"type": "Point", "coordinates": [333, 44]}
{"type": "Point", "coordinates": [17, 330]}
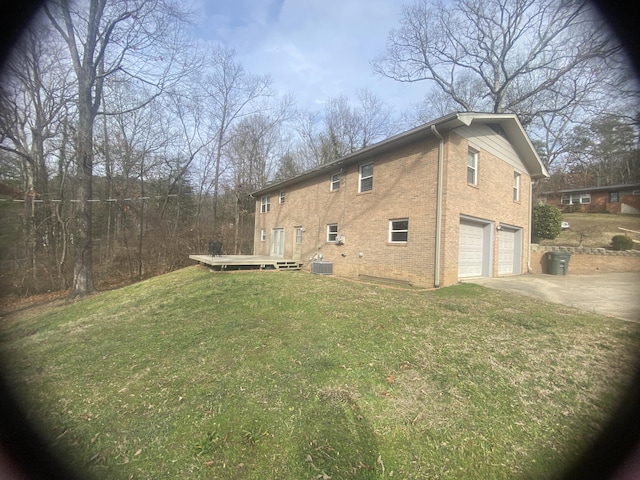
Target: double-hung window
{"type": "Point", "coordinates": [366, 178]}
{"type": "Point", "coordinates": [263, 235]}
{"type": "Point", "coordinates": [472, 167]}
{"type": "Point", "coordinates": [576, 198]}
{"type": "Point", "coordinates": [265, 204]}
{"type": "Point", "coordinates": [399, 230]}
{"type": "Point", "coordinates": [281, 197]}
{"type": "Point", "coordinates": [516, 187]}
{"type": "Point", "coordinates": [335, 182]}
{"type": "Point", "coordinates": [332, 232]}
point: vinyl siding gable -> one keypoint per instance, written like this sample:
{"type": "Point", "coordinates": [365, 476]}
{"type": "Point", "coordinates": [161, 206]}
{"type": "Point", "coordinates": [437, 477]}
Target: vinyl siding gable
{"type": "Point", "coordinates": [483, 137]}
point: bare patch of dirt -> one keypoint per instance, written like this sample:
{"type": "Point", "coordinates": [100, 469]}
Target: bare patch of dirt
{"type": "Point", "coordinates": [11, 305]}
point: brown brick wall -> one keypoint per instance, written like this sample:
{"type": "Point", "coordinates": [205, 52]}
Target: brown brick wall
{"type": "Point", "coordinates": [491, 200]}
{"type": "Point", "coordinates": [589, 261]}
{"type": "Point", "coordinates": [599, 203]}
{"type": "Point", "coordinates": [404, 186]}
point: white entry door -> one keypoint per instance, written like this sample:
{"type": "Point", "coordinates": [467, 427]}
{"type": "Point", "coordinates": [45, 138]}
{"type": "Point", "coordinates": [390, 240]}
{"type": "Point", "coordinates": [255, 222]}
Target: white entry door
{"type": "Point", "coordinates": [277, 242]}
{"type": "Point", "coordinates": [471, 250]}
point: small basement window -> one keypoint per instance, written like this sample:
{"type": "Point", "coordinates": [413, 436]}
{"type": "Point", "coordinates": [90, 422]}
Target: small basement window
{"type": "Point", "coordinates": [399, 230]}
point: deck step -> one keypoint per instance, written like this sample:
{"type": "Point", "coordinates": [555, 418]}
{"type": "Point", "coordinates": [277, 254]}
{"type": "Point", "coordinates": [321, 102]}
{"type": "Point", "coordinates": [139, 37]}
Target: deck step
{"type": "Point", "coordinates": [288, 265]}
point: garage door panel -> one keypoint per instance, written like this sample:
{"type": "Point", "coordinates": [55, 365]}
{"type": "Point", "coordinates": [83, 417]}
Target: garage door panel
{"type": "Point", "coordinates": [506, 252]}
{"type": "Point", "coordinates": [470, 250]}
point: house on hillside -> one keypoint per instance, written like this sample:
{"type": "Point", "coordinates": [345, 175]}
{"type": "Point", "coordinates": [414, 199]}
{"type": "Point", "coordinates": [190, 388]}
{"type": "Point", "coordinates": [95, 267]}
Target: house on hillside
{"type": "Point", "coordinates": [445, 201]}
{"type": "Point", "coordinates": [606, 199]}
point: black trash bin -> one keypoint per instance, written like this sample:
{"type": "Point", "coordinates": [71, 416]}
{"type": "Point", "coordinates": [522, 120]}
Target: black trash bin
{"type": "Point", "coordinates": [559, 263]}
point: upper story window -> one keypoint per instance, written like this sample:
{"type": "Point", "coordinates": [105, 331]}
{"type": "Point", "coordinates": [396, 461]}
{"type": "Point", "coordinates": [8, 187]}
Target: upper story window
{"type": "Point", "coordinates": [335, 182]}
{"type": "Point", "coordinates": [332, 232]}
{"type": "Point", "coordinates": [516, 187]}
{"type": "Point", "coordinates": [366, 178]}
{"type": "Point", "coordinates": [575, 198]}
{"type": "Point", "coordinates": [265, 204]}
{"type": "Point", "coordinates": [399, 230]}
{"type": "Point", "coordinates": [472, 167]}
{"type": "Point", "coordinates": [281, 197]}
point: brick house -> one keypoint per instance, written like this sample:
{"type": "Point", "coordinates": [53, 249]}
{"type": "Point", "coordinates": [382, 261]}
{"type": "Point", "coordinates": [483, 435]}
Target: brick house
{"type": "Point", "coordinates": [447, 200]}
{"type": "Point", "coordinates": [605, 199]}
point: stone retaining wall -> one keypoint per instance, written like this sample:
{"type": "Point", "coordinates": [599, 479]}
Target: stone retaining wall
{"type": "Point", "coordinates": [587, 260]}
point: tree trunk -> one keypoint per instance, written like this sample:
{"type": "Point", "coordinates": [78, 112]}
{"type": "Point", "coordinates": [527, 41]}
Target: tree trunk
{"type": "Point", "coordinates": [83, 267]}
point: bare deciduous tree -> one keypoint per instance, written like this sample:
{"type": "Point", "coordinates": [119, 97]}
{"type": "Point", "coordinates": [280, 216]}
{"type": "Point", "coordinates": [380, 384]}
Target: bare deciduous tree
{"type": "Point", "coordinates": [134, 42]}
{"type": "Point", "coordinates": [33, 97]}
{"type": "Point", "coordinates": [344, 128]}
{"type": "Point", "coordinates": [232, 94]}
{"type": "Point", "coordinates": [531, 57]}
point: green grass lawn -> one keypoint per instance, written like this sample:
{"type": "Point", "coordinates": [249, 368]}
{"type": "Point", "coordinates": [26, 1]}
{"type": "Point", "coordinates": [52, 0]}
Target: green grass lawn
{"type": "Point", "coordinates": [594, 229]}
{"type": "Point", "coordinates": [296, 376]}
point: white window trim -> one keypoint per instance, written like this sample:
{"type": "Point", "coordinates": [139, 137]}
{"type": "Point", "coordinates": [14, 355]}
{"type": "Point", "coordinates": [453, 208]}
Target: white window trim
{"type": "Point", "coordinates": [263, 235]}
{"type": "Point", "coordinates": [516, 186]}
{"type": "Point", "coordinates": [332, 235]}
{"type": "Point", "coordinates": [298, 233]}
{"type": "Point", "coordinates": [361, 178]}
{"type": "Point", "coordinates": [471, 153]}
{"type": "Point", "coordinates": [265, 204]}
{"type": "Point", "coordinates": [391, 230]}
{"type": "Point", "coordinates": [281, 197]}
{"type": "Point", "coordinates": [333, 182]}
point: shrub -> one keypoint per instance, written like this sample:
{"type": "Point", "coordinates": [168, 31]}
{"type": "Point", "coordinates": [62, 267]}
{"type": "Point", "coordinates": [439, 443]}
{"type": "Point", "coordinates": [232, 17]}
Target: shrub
{"type": "Point", "coordinates": [621, 242]}
{"type": "Point", "coordinates": [547, 221]}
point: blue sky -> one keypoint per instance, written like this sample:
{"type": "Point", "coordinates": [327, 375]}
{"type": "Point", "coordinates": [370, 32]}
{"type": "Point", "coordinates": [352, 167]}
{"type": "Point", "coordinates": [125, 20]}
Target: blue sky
{"type": "Point", "coordinates": [313, 48]}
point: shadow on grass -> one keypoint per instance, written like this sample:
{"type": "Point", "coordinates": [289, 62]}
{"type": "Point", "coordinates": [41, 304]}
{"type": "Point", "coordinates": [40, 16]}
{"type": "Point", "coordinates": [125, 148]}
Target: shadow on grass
{"type": "Point", "coordinates": [336, 441]}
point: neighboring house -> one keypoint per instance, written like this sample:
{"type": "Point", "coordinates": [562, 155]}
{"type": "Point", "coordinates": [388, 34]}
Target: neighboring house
{"type": "Point", "coordinates": [447, 200]}
{"type": "Point", "coordinates": [610, 199]}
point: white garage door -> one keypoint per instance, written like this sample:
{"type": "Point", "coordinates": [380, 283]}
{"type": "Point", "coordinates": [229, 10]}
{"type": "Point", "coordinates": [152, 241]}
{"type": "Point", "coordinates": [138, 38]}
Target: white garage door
{"type": "Point", "coordinates": [471, 250]}
{"type": "Point", "coordinates": [506, 252]}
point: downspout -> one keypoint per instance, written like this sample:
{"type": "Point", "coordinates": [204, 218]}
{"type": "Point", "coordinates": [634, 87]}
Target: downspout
{"type": "Point", "coordinates": [255, 225]}
{"type": "Point", "coordinates": [436, 276]}
{"type": "Point", "coordinates": [529, 269]}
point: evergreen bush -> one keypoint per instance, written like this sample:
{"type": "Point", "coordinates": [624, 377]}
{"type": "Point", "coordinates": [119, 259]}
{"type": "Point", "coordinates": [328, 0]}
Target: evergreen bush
{"type": "Point", "coordinates": [621, 242]}
{"type": "Point", "coordinates": [547, 222]}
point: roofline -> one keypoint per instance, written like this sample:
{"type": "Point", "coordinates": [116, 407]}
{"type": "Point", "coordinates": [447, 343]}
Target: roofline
{"type": "Point", "coordinates": [518, 138]}
{"type": "Point", "coordinates": [595, 189]}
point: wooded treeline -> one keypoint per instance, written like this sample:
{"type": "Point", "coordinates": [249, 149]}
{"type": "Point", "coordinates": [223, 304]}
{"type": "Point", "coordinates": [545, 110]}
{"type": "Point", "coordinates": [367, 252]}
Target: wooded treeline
{"type": "Point", "coordinates": [127, 145]}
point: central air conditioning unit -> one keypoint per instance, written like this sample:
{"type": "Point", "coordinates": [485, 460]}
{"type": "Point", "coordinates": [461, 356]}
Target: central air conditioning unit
{"type": "Point", "coordinates": [322, 268]}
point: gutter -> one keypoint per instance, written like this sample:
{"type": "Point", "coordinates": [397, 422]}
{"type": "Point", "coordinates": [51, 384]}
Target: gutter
{"type": "Point", "coordinates": [436, 275]}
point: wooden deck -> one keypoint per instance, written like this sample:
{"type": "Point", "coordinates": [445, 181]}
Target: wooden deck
{"type": "Point", "coordinates": [247, 262]}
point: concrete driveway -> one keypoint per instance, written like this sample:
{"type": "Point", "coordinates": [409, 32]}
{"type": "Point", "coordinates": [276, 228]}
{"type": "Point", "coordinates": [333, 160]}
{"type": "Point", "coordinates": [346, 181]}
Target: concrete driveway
{"type": "Point", "coordinates": [612, 294]}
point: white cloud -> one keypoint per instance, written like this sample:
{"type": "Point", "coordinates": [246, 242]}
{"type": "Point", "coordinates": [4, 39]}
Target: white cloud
{"type": "Point", "coordinates": [314, 48]}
